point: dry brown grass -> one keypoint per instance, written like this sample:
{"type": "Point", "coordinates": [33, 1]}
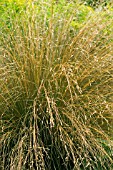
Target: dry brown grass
{"type": "Point", "coordinates": [56, 95]}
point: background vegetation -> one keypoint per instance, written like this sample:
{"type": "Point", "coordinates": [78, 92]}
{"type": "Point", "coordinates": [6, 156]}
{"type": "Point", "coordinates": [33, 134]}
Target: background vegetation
{"type": "Point", "coordinates": [56, 85]}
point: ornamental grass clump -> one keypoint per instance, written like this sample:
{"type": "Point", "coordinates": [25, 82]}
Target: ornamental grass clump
{"type": "Point", "coordinates": [56, 93]}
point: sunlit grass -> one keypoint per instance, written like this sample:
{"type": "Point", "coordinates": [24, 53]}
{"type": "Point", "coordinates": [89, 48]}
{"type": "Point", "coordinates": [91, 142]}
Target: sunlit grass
{"type": "Point", "coordinates": [56, 93]}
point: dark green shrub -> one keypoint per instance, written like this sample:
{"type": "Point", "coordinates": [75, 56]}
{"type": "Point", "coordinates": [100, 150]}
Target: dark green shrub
{"type": "Point", "coordinates": [96, 3]}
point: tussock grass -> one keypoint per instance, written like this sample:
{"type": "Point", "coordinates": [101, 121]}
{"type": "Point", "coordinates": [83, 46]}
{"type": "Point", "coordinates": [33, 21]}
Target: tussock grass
{"type": "Point", "coordinates": [56, 93]}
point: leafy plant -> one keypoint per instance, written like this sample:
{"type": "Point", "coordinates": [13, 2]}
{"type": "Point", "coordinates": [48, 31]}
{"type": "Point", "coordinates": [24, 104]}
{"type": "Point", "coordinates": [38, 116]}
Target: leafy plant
{"type": "Point", "coordinates": [81, 16]}
{"type": "Point", "coordinates": [96, 3]}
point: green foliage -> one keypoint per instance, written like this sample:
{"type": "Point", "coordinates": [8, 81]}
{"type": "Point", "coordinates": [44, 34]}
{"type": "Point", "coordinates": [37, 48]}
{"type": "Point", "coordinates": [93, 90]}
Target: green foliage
{"type": "Point", "coordinates": [81, 16]}
{"type": "Point", "coordinates": [62, 9]}
{"type": "Point", "coordinates": [96, 3]}
{"type": "Point", "coordinates": [8, 11]}
{"type": "Point", "coordinates": [56, 88]}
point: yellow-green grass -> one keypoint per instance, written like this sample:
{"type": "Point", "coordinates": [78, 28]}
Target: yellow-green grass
{"type": "Point", "coordinates": [56, 94]}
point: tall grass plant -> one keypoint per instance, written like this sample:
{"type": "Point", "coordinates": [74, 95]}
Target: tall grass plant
{"type": "Point", "coordinates": [56, 92]}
